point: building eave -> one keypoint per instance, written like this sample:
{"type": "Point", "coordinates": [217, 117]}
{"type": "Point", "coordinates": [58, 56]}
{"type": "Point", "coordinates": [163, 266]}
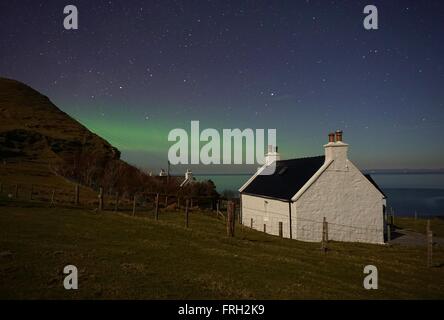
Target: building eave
{"type": "Point", "coordinates": [259, 171]}
{"type": "Point", "coordinates": [265, 197]}
{"type": "Point", "coordinates": [311, 180]}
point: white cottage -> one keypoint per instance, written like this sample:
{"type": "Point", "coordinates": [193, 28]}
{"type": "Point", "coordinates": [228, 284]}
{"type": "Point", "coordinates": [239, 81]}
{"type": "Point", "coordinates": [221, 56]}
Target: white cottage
{"type": "Point", "coordinates": [300, 193]}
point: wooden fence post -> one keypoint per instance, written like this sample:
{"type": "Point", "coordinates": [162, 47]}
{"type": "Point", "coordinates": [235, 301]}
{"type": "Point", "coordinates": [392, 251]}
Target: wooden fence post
{"type": "Point", "coordinates": [429, 248]}
{"type": "Point", "coordinates": [389, 233]}
{"type": "Point", "coordinates": [326, 230]}
{"type": "Point", "coordinates": [240, 209]}
{"type": "Point", "coordinates": [53, 197]}
{"type": "Point", "coordinates": [157, 207]}
{"type": "Point", "coordinates": [191, 202]}
{"type": "Point", "coordinates": [134, 205]}
{"type": "Point", "coordinates": [230, 219]}
{"type": "Point", "coordinates": [280, 229]}
{"type": "Point", "coordinates": [416, 215]}
{"type": "Point", "coordinates": [116, 204]}
{"type": "Point", "coordinates": [265, 228]}
{"type": "Point", "coordinates": [233, 220]}
{"type": "Point", "coordinates": [324, 235]}
{"type": "Point", "coordinates": [100, 199]}
{"type": "Point", "coordinates": [166, 201]}
{"type": "Point", "coordinates": [251, 223]}
{"type": "Point", "coordinates": [186, 212]}
{"type": "Point", "coordinates": [76, 195]}
{"type": "Point", "coordinates": [429, 244]}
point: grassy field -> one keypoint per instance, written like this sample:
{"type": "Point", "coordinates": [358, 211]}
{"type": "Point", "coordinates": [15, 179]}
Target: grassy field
{"type": "Point", "coordinates": [123, 257]}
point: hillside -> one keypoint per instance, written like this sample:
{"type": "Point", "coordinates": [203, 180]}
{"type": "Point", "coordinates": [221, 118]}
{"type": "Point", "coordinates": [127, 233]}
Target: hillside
{"type": "Point", "coordinates": [40, 144]}
{"type": "Point", "coordinates": [33, 128]}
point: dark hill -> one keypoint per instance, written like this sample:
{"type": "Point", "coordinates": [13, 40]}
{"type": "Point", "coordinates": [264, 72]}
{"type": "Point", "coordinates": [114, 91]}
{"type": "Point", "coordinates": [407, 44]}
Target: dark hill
{"type": "Point", "coordinates": [39, 143]}
{"type": "Point", "coordinates": [32, 127]}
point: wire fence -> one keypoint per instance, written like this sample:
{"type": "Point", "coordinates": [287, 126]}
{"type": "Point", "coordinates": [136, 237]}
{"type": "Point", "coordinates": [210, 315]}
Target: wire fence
{"type": "Point", "coordinates": [301, 228]}
{"type": "Point", "coordinates": [231, 210]}
{"type": "Point", "coordinates": [80, 196]}
{"type": "Point", "coordinates": [269, 221]}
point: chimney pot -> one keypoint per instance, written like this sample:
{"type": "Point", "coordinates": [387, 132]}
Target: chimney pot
{"type": "Point", "coordinates": [272, 154]}
{"type": "Point", "coordinates": [331, 137]}
{"type": "Point", "coordinates": [338, 135]}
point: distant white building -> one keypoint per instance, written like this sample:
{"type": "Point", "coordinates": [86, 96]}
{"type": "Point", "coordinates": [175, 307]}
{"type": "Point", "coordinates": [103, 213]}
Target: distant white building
{"type": "Point", "coordinates": [301, 192]}
{"type": "Point", "coordinates": [188, 178]}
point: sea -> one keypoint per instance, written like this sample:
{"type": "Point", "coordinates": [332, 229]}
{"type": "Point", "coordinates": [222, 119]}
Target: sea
{"type": "Point", "coordinates": [407, 193]}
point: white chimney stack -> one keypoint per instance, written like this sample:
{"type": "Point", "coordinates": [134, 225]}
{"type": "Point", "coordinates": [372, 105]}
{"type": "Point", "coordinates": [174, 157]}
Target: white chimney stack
{"type": "Point", "coordinates": [272, 155]}
{"type": "Point", "coordinates": [336, 150]}
{"type": "Point", "coordinates": [188, 174]}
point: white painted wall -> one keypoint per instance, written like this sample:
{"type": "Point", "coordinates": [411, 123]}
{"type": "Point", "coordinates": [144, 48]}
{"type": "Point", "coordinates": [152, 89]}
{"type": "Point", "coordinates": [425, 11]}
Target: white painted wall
{"type": "Point", "coordinates": [265, 211]}
{"type": "Point", "coordinates": [352, 206]}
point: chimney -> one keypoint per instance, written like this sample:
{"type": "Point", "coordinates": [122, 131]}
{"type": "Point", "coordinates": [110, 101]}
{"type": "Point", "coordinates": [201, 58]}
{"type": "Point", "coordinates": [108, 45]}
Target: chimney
{"type": "Point", "coordinates": [188, 174]}
{"type": "Point", "coordinates": [336, 150]}
{"type": "Point", "coordinates": [272, 155]}
{"type": "Point", "coordinates": [338, 135]}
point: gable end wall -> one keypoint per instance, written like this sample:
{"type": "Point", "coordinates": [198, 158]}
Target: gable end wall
{"type": "Point", "coordinates": [353, 208]}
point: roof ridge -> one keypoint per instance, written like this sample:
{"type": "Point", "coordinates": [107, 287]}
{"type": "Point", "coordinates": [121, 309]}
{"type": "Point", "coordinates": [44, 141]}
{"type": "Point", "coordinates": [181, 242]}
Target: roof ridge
{"type": "Point", "coordinates": [302, 158]}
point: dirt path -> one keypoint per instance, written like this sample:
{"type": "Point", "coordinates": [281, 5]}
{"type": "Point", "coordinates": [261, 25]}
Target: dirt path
{"type": "Point", "coordinates": [412, 238]}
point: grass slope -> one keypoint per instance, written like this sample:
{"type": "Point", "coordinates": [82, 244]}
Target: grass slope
{"type": "Point", "coordinates": [121, 257]}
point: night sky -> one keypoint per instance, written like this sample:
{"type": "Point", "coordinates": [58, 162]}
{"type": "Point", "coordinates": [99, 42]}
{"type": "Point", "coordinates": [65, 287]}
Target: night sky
{"type": "Point", "coordinates": [134, 70]}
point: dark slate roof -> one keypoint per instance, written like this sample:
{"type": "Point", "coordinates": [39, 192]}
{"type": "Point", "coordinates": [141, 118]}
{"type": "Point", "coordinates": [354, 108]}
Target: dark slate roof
{"type": "Point", "coordinates": [287, 179]}
{"type": "Point", "coordinates": [369, 177]}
